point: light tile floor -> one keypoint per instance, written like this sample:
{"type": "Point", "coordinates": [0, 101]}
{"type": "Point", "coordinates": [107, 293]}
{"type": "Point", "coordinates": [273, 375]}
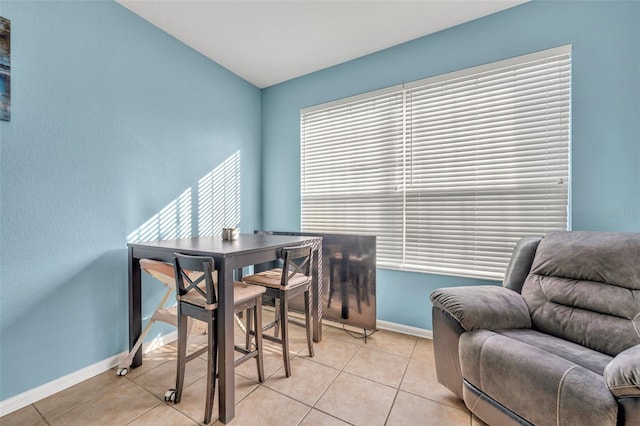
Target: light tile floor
{"type": "Point", "coordinates": [388, 381]}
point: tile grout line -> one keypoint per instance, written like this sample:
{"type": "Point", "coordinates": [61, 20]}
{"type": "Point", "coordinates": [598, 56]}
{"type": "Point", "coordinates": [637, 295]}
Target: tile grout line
{"type": "Point", "coordinates": [311, 407]}
{"type": "Point", "coordinates": [466, 410]}
{"type": "Point", "coordinates": [330, 384]}
{"type": "Point", "coordinates": [147, 391]}
{"type": "Point", "coordinates": [404, 373]}
{"type": "Point", "coordinates": [359, 348]}
{"type": "Point", "coordinates": [85, 403]}
{"type": "Point", "coordinates": [41, 415]}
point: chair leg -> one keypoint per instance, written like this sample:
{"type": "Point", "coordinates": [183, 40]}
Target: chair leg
{"type": "Point", "coordinates": [276, 305]}
{"type": "Point", "coordinates": [257, 312]}
{"type": "Point", "coordinates": [182, 353]}
{"type": "Point", "coordinates": [284, 326]}
{"type": "Point", "coordinates": [247, 330]}
{"type": "Point", "coordinates": [212, 367]}
{"type": "Point", "coordinates": [307, 320]}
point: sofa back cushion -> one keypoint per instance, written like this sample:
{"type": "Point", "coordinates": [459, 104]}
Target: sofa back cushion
{"type": "Point", "coordinates": [585, 287]}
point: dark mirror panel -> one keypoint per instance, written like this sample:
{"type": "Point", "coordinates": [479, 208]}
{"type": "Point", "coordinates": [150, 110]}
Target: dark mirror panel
{"type": "Point", "coordinates": [349, 278]}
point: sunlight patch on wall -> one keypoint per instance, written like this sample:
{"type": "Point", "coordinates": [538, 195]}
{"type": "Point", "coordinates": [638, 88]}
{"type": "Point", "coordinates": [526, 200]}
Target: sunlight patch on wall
{"type": "Point", "coordinates": [218, 206]}
{"type": "Point", "coordinates": [219, 197]}
{"type": "Point", "coordinates": [173, 221]}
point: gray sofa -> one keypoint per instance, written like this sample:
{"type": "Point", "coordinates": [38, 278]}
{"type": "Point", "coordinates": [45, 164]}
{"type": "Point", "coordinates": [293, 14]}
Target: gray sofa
{"type": "Point", "coordinates": [557, 344]}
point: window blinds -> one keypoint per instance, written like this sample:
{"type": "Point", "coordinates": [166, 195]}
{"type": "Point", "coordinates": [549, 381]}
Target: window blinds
{"type": "Point", "coordinates": [449, 172]}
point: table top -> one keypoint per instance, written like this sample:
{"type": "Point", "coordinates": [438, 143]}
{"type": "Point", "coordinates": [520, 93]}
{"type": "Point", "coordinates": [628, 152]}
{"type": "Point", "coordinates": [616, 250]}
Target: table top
{"type": "Point", "coordinates": [215, 245]}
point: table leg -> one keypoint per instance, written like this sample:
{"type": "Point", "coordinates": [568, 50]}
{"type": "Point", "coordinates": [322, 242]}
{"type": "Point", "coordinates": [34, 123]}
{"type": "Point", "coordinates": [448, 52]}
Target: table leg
{"type": "Point", "coordinates": [316, 291]}
{"type": "Point", "coordinates": [226, 380]}
{"type": "Point", "coordinates": [135, 307]}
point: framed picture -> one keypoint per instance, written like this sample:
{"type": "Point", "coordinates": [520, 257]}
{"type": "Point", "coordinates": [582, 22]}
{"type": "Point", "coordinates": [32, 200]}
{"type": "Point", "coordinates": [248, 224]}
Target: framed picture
{"type": "Point", "coordinates": [5, 69]}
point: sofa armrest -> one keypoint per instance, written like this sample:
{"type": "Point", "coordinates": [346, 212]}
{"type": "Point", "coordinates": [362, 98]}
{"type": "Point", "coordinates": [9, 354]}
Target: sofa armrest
{"type": "Point", "coordinates": [483, 307]}
{"type": "Point", "coordinates": [622, 374]}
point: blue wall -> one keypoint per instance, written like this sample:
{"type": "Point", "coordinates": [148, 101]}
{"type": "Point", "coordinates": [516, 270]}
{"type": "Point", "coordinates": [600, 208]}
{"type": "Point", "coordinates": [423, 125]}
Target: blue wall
{"type": "Point", "coordinates": [605, 157]}
{"type": "Point", "coordinates": [112, 120]}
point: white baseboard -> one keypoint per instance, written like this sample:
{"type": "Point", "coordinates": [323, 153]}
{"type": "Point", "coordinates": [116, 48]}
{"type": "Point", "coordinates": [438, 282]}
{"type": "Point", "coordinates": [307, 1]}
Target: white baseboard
{"type": "Point", "coordinates": [386, 325]}
{"type": "Point", "coordinates": [405, 329]}
{"type": "Point", "coordinates": [36, 394]}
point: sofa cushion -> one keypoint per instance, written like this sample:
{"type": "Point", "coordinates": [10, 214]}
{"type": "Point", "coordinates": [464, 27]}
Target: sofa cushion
{"type": "Point", "coordinates": [585, 287]}
{"type": "Point", "coordinates": [606, 257]}
{"type": "Point", "coordinates": [537, 385]}
{"type": "Point", "coordinates": [580, 355]}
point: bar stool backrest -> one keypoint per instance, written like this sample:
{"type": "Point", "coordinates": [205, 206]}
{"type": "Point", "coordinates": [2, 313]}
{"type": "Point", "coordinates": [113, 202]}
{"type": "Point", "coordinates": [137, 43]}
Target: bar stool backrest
{"type": "Point", "coordinates": [296, 260]}
{"type": "Point", "coordinates": [191, 271]}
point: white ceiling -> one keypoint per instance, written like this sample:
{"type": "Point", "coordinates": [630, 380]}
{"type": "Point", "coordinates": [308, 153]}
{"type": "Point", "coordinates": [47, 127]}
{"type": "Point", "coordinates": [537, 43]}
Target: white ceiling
{"type": "Point", "coordinates": [267, 42]}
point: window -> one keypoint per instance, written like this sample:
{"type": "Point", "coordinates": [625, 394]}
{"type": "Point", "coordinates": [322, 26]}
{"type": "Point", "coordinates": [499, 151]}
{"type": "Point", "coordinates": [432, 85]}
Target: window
{"type": "Point", "coordinates": [448, 172]}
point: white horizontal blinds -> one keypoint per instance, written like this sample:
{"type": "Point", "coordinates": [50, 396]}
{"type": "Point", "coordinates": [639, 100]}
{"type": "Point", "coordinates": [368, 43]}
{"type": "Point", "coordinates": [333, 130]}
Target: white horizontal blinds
{"type": "Point", "coordinates": [352, 155]}
{"type": "Point", "coordinates": [448, 172]}
{"type": "Point", "coordinates": [487, 163]}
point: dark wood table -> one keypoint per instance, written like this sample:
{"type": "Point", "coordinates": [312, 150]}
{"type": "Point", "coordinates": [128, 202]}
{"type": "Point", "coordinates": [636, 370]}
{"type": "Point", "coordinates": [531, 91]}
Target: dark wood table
{"type": "Point", "coordinates": [246, 250]}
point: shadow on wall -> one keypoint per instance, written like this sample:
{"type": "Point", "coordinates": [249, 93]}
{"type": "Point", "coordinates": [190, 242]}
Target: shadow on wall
{"type": "Point", "coordinates": [217, 204]}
